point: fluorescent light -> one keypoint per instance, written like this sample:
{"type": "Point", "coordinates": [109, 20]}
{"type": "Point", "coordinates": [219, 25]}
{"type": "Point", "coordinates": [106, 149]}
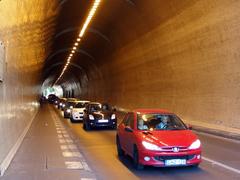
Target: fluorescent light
{"type": "Point", "coordinates": [84, 27]}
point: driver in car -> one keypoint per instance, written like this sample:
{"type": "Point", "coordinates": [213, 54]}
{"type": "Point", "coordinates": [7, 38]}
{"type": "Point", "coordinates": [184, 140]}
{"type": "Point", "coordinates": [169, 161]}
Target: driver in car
{"type": "Point", "coordinates": [164, 123]}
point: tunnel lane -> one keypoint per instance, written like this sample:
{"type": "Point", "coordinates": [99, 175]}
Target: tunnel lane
{"type": "Point", "coordinates": [220, 157]}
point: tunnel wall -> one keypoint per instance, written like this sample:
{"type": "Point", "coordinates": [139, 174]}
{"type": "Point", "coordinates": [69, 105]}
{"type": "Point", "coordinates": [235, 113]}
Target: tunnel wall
{"type": "Point", "coordinates": [179, 55]}
{"type": "Point", "coordinates": [23, 32]}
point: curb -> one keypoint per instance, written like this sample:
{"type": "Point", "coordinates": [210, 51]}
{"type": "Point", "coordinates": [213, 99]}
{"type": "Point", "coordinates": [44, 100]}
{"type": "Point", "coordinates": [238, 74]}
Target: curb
{"type": "Point", "coordinates": [216, 132]}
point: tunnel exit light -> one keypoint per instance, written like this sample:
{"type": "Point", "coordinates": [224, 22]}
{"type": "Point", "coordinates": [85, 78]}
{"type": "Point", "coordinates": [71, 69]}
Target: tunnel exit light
{"type": "Point", "coordinates": [81, 34]}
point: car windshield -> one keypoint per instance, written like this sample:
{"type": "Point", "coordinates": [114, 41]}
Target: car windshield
{"type": "Point", "coordinates": [157, 121]}
{"type": "Point", "coordinates": [106, 107]}
{"type": "Point", "coordinates": [79, 105]}
{"type": "Point", "coordinates": [95, 107]}
{"type": "Point", "coordinates": [70, 104]}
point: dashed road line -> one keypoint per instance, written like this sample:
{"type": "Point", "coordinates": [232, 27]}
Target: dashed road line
{"type": "Point", "coordinates": [73, 165]}
{"type": "Point", "coordinates": [69, 149]}
{"type": "Point", "coordinates": [86, 167]}
{"type": "Point", "coordinates": [71, 154]}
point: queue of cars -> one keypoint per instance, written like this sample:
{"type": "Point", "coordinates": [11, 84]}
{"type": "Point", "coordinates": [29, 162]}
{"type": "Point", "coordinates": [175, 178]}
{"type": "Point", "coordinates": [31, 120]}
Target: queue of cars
{"type": "Point", "coordinates": [152, 137]}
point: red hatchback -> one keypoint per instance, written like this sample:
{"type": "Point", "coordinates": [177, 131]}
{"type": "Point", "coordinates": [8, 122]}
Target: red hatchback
{"type": "Point", "coordinates": [157, 138]}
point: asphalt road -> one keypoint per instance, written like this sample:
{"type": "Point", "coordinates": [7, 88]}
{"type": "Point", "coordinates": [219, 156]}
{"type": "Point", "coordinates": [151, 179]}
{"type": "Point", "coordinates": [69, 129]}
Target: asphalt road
{"type": "Point", "coordinates": [221, 159]}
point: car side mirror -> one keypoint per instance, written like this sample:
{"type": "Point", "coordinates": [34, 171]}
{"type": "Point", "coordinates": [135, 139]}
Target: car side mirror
{"type": "Point", "coordinates": [189, 127]}
{"type": "Point", "coordinates": [128, 129]}
{"type": "Point", "coordinates": [85, 110]}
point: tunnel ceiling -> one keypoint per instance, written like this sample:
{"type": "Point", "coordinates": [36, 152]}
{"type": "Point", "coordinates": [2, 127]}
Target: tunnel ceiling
{"type": "Point", "coordinates": [96, 42]}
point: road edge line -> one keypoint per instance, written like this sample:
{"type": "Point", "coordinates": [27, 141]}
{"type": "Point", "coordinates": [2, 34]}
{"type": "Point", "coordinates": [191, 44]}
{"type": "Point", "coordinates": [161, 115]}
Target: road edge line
{"type": "Point", "coordinates": [222, 165]}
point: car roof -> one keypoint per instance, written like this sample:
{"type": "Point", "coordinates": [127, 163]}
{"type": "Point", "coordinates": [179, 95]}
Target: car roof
{"type": "Point", "coordinates": [163, 111]}
{"type": "Point", "coordinates": [83, 101]}
{"type": "Point", "coordinates": [94, 103]}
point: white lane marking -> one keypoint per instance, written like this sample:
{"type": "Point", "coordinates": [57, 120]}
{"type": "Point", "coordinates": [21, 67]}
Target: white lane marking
{"type": "Point", "coordinates": [222, 165]}
{"type": "Point", "coordinates": [69, 147]}
{"type": "Point", "coordinates": [87, 179]}
{"type": "Point", "coordinates": [66, 135]}
{"type": "Point", "coordinates": [61, 141]}
{"type": "Point", "coordinates": [69, 140]}
{"type": "Point", "coordinates": [66, 150]}
{"type": "Point", "coordinates": [71, 154]}
{"type": "Point", "coordinates": [73, 165]}
{"type": "Point", "coordinates": [60, 128]}
{"type": "Point", "coordinates": [85, 166]}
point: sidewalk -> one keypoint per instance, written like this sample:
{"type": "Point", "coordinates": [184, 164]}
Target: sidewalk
{"type": "Point", "coordinates": [48, 152]}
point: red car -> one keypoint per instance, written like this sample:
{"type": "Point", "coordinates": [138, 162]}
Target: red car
{"type": "Point", "coordinates": [157, 138]}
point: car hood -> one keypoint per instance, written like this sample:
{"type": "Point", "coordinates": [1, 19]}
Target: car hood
{"type": "Point", "coordinates": [102, 114]}
{"type": "Point", "coordinates": [78, 109]}
{"type": "Point", "coordinates": [169, 138]}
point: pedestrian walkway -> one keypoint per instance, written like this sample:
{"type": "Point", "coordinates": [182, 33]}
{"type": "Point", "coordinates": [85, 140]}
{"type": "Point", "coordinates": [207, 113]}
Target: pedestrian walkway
{"type": "Point", "coordinates": [48, 152]}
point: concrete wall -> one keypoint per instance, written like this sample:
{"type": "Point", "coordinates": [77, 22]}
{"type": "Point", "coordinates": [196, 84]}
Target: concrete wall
{"type": "Point", "coordinates": [180, 55]}
{"type": "Point", "coordinates": [24, 29]}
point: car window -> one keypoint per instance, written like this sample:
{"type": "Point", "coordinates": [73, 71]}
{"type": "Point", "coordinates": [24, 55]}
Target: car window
{"type": "Point", "coordinates": [129, 120]}
{"type": "Point", "coordinates": [125, 119]}
{"type": "Point", "coordinates": [158, 121]}
{"type": "Point", "coordinates": [95, 107]}
{"type": "Point", "coordinates": [79, 105]}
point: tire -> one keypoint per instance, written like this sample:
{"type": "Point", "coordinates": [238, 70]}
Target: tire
{"type": "Point", "coordinates": [120, 151]}
{"type": "Point", "coordinates": [195, 165]}
{"type": "Point", "coordinates": [87, 127]}
{"type": "Point", "coordinates": [136, 163]}
{"type": "Point", "coordinates": [71, 119]}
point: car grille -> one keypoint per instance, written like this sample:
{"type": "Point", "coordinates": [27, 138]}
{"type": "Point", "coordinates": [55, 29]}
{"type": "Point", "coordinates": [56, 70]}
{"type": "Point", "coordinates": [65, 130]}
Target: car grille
{"type": "Point", "coordinates": [170, 148]}
{"type": "Point", "coordinates": [163, 158]}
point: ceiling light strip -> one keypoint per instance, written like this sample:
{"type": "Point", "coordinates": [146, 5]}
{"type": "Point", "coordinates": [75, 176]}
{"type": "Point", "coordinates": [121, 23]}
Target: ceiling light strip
{"type": "Point", "coordinates": [81, 34]}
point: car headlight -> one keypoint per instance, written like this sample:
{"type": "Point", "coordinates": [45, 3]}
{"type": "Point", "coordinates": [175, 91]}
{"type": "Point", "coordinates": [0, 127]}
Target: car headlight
{"type": "Point", "coordinates": [151, 146]}
{"type": "Point", "coordinates": [60, 104]}
{"type": "Point", "coordinates": [195, 145]}
{"type": "Point", "coordinates": [63, 105]}
{"type": "Point", "coordinates": [113, 116]}
{"type": "Point", "coordinates": [91, 117]}
{"type": "Point", "coordinates": [71, 107]}
{"type": "Point", "coordinates": [68, 110]}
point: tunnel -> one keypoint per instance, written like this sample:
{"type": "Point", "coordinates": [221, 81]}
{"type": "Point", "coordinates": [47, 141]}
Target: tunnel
{"type": "Point", "coordinates": [177, 55]}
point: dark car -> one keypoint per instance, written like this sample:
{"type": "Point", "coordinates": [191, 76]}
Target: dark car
{"type": "Point", "coordinates": [52, 98]}
{"type": "Point", "coordinates": [99, 115]}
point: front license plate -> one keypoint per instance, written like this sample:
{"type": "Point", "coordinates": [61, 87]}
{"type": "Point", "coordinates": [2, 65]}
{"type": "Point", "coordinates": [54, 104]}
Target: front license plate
{"type": "Point", "coordinates": [175, 162]}
{"type": "Point", "coordinates": [103, 121]}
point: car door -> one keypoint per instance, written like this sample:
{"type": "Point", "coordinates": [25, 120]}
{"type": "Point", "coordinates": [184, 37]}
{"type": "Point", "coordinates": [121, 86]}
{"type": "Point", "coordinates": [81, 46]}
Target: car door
{"type": "Point", "coordinates": [122, 133]}
{"type": "Point", "coordinates": [129, 133]}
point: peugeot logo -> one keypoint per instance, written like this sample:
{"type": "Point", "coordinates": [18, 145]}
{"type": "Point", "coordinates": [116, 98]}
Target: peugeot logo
{"type": "Point", "coordinates": [175, 149]}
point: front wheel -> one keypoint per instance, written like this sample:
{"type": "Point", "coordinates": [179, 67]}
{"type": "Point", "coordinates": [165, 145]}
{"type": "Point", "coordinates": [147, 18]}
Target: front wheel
{"type": "Point", "coordinates": [136, 163]}
{"type": "Point", "coordinates": [87, 127]}
{"type": "Point", "coordinates": [72, 120]}
{"type": "Point", "coordinates": [195, 165]}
